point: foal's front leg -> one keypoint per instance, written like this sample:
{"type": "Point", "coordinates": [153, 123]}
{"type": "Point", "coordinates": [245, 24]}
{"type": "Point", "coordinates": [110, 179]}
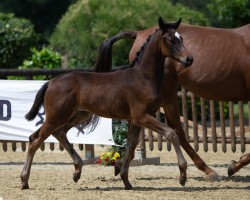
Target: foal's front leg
{"type": "Point", "coordinates": [132, 141]}
{"type": "Point", "coordinates": [170, 106]}
{"type": "Point", "coordinates": [150, 122]}
{"type": "Point", "coordinates": [118, 163]}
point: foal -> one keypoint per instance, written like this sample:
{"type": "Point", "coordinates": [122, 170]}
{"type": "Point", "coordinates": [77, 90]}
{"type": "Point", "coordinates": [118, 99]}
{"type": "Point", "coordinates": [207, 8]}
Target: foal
{"type": "Point", "coordinates": [72, 98]}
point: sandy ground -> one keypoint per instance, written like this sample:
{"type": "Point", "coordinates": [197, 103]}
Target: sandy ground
{"type": "Point", "coordinates": [51, 178]}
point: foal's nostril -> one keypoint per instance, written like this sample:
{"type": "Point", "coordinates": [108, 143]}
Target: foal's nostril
{"type": "Point", "coordinates": [189, 60]}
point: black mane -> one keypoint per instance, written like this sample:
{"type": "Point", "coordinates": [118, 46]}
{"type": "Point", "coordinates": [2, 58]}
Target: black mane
{"type": "Point", "coordinates": [141, 50]}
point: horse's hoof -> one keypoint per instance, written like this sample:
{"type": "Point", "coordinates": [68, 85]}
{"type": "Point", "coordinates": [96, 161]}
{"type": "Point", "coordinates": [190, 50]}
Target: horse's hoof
{"type": "Point", "coordinates": [76, 178]}
{"type": "Point", "coordinates": [230, 168]}
{"type": "Point", "coordinates": [182, 181]}
{"type": "Point", "coordinates": [117, 170]}
{"type": "Point", "coordinates": [213, 177]}
{"type": "Point", "coordinates": [129, 187]}
{"type": "Point", "coordinates": [25, 187]}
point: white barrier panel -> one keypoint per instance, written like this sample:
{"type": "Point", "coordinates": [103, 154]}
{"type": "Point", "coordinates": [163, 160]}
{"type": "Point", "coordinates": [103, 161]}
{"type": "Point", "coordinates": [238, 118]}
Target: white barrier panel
{"type": "Point", "coordinates": [16, 99]}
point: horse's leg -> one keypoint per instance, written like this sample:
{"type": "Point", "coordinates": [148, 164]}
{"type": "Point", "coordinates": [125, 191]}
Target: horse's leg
{"type": "Point", "coordinates": [118, 164]}
{"type": "Point", "coordinates": [236, 166]}
{"type": "Point", "coordinates": [78, 162]}
{"type": "Point", "coordinates": [150, 122]}
{"type": "Point", "coordinates": [36, 139]}
{"type": "Point", "coordinates": [60, 135]}
{"type": "Point", "coordinates": [170, 106]}
{"type": "Point", "coordinates": [132, 141]}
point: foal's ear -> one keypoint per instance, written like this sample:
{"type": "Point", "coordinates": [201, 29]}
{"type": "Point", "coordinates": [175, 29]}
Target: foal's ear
{"type": "Point", "coordinates": [162, 25]}
{"type": "Point", "coordinates": [177, 24]}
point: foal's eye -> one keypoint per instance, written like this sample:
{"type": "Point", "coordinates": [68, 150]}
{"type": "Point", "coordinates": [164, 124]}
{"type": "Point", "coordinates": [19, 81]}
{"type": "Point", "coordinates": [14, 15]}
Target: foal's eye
{"type": "Point", "coordinates": [166, 37]}
{"type": "Point", "coordinates": [170, 39]}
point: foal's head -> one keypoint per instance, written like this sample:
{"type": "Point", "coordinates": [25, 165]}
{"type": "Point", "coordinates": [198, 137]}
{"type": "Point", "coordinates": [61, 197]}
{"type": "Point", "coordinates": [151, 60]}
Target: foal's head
{"type": "Point", "coordinates": [172, 43]}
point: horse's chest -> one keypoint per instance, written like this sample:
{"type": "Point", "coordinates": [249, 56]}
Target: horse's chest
{"type": "Point", "coordinates": [149, 100]}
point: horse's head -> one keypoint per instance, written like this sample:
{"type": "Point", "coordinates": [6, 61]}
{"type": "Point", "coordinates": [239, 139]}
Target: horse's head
{"type": "Point", "coordinates": [172, 43]}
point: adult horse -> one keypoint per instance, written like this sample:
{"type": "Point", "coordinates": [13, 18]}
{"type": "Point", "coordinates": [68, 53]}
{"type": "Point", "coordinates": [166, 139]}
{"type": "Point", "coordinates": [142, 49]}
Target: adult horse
{"type": "Point", "coordinates": [221, 71]}
{"type": "Point", "coordinates": [71, 100]}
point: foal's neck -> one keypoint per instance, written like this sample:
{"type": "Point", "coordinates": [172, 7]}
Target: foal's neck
{"type": "Point", "coordinates": [151, 61]}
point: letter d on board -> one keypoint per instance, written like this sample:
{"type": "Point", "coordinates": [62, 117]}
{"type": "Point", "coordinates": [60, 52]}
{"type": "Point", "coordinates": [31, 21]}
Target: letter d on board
{"type": "Point", "coordinates": [5, 110]}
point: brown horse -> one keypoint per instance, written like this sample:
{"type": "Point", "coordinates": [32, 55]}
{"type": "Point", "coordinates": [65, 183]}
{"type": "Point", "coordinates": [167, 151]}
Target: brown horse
{"type": "Point", "coordinates": [71, 100]}
{"type": "Point", "coordinates": [221, 62]}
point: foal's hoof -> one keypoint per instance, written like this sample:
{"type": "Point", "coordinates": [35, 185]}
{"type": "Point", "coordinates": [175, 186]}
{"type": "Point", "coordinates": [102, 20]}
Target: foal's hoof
{"type": "Point", "coordinates": [25, 186]}
{"type": "Point", "coordinates": [230, 168]}
{"type": "Point", "coordinates": [182, 181]}
{"type": "Point", "coordinates": [76, 178]}
{"type": "Point", "coordinates": [129, 187]}
{"type": "Point", "coordinates": [213, 177]}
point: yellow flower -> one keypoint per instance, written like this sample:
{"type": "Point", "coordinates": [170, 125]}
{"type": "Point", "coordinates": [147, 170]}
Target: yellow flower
{"type": "Point", "coordinates": [108, 153]}
{"type": "Point", "coordinates": [116, 155]}
{"type": "Point", "coordinates": [101, 157]}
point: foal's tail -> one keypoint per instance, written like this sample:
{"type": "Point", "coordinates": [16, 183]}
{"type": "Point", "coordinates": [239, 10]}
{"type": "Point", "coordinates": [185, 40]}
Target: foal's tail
{"type": "Point", "coordinates": [89, 125]}
{"type": "Point", "coordinates": [37, 103]}
{"type": "Point", "coordinates": [104, 57]}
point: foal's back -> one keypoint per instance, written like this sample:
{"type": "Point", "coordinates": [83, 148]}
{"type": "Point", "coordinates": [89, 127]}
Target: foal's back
{"type": "Point", "coordinates": [102, 93]}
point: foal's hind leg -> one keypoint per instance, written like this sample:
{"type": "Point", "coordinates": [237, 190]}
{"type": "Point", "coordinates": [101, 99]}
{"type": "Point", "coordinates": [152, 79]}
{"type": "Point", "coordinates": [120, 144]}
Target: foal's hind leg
{"type": "Point", "coordinates": [78, 162]}
{"type": "Point", "coordinates": [36, 139]}
{"type": "Point", "coordinates": [60, 135]}
{"type": "Point", "coordinates": [132, 142]}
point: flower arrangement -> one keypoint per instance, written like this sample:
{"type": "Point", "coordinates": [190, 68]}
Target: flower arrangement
{"type": "Point", "coordinates": [108, 158]}
{"type": "Point", "coordinates": [120, 129]}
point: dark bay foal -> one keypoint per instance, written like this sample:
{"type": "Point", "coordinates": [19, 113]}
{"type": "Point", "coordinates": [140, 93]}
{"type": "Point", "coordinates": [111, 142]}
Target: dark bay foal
{"type": "Point", "coordinates": [133, 94]}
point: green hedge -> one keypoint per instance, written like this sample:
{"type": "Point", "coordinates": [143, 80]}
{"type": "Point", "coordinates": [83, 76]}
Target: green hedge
{"type": "Point", "coordinates": [87, 23]}
{"type": "Point", "coordinates": [228, 13]}
{"type": "Point", "coordinates": [17, 36]}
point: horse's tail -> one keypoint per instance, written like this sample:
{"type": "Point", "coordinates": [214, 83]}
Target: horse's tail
{"type": "Point", "coordinates": [37, 103]}
{"type": "Point", "coordinates": [104, 57]}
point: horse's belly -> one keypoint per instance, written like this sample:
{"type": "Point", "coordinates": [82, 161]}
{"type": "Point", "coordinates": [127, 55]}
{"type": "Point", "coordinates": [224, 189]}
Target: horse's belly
{"type": "Point", "coordinates": [222, 95]}
{"type": "Point", "coordinates": [228, 88]}
{"type": "Point", "coordinates": [111, 109]}
{"type": "Point", "coordinates": [218, 92]}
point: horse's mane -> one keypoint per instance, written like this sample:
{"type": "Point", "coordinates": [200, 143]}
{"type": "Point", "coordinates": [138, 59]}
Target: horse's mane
{"type": "Point", "coordinates": [142, 49]}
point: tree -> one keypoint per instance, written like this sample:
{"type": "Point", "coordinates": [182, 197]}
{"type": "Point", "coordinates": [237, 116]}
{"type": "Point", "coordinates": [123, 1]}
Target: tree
{"type": "Point", "coordinates": [17, 36]}
{"type": "Point", "coordinates": [228, 13]}
{"type": "Point", "coordinates": [194, 4]}
{"type": "Point", "coordinates": [44, 14]}
{"type": "Point", "coordinates": [87, 23]}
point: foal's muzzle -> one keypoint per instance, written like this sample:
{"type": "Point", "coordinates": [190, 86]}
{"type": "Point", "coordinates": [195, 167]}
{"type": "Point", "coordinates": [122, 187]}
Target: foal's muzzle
{"type": "Point", "coordinates": [189, 61]}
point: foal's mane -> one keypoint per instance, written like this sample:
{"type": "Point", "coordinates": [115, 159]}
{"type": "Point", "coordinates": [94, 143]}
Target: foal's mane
{"type": "Point", "coordinates": [140, 52]}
